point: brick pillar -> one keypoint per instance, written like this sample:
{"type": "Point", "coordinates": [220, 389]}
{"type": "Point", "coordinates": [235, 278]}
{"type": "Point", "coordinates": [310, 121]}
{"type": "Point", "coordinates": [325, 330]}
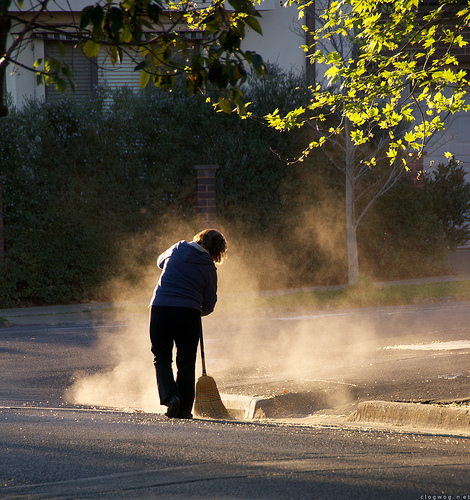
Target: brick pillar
{"type": "Point", "coordinates": [2, 240]}
{"type": "Point", "coordinates": [206, 201]}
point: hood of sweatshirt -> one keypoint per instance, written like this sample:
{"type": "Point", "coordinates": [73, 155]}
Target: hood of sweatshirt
{"type": "Point", "coordinates": [193, 253]}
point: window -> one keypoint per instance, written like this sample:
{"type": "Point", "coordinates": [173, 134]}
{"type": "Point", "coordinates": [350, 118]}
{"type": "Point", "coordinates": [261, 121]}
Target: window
{"type": "Point", "coordinates": [84, 70]}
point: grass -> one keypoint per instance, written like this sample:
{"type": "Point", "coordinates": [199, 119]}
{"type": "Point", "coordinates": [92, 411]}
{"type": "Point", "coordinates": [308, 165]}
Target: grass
{"type": "Point", "coordinates": [3, 322]}
{"type": "Point", "coordinates": [362, 295]}
{"type": "Point", "coordinates": [365, 294]}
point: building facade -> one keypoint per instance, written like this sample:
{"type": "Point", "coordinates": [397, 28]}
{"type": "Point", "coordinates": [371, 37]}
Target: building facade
{"type": "Point", "coordinates": [88, 74]}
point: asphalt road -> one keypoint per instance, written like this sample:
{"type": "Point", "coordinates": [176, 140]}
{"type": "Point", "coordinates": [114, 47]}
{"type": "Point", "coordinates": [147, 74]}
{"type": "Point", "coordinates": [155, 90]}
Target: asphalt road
{"type": "Point", "coordinates": [79, 454]}
{"type": "Point", "coordinates": [406, 353]}
{"type": "Point", "coordinates": [53, 447]}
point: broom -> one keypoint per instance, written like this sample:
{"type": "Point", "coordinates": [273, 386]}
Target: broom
{"type": "Point", "coordinates": [208, 403]}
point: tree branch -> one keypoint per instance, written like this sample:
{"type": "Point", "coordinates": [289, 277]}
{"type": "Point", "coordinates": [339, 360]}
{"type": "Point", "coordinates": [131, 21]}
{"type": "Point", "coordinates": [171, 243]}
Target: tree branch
{"type": "Point", "coordinates": [20, 36]}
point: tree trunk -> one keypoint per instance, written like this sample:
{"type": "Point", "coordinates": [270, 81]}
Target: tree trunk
{"type": "Point", "coordinates": [351, 226]}
{"type": "Point", "coordinates": [5, 25]}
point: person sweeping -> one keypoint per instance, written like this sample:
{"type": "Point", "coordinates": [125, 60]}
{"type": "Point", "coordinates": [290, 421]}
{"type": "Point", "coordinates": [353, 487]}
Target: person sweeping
{"type": "Point", "coordinates": [186, 290]}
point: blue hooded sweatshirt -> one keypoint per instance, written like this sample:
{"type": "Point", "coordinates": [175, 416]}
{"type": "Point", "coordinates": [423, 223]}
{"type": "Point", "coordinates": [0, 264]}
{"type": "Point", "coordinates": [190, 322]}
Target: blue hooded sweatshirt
{"type": "Point", "coordinates": [189, 278]}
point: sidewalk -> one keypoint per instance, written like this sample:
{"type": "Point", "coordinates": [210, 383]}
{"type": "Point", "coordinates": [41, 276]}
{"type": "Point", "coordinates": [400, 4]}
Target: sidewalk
{"type": "Point", "coordinates": [77, 314]}
{"type": "Point", "coordinates": [81, 313]}
{"type": "Point", "coordinates": [441, 416]}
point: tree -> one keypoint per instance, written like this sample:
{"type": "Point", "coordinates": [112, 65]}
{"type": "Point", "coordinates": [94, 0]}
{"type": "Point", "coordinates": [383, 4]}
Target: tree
{"type": "Point", "coordinates": [147, 31]}
{"type": "Point", "coordinates": [363, 185]}
{"type": "Point", "coordinates": [392, 78]}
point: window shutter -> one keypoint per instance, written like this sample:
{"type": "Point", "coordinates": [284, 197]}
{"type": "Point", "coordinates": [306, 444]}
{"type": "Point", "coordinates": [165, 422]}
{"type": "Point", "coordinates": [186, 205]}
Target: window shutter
{"type": "Point", "coordinates": [84, 71]}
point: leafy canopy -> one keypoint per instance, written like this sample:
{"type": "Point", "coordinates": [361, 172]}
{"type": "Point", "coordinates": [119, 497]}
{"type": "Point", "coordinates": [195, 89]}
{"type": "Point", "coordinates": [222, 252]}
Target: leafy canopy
{"type": "Point", "coordinates": [402, 72]}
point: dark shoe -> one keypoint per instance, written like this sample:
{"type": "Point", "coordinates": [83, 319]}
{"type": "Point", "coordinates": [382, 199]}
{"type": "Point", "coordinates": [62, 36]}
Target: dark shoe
{"type": "Point", "coordinates": [185, 414]}
{"type": "Point", "coordinates": [174, 404]}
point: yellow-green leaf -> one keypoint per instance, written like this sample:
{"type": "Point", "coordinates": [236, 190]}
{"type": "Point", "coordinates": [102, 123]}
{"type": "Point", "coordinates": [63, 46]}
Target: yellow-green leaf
{"type": "Point", "coordinates": [126, 33]}
{"type": "Point", "coordinates": [144, 79]}
{"type": "Point", "coordinates": [91, 48]}
{"type": "Point", "coordinates": [410, 137]}
{"type": "Point", "coordinates": [332, 73]}
{"type": "Point", "coordinates": [225, 105]}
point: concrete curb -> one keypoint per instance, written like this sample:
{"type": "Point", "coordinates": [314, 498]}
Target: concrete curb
{"type": "Point", "coordinates": [243, 407]}
{"type": "Point", "coordinates": [259, 407]}
{"type": "Point", "coordinates": [297, 402]}
{"type": "Point", "coordinates": [413, 414]}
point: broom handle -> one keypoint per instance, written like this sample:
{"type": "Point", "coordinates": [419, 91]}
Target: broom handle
{"type": "Point", "coordinates": [202, 355]}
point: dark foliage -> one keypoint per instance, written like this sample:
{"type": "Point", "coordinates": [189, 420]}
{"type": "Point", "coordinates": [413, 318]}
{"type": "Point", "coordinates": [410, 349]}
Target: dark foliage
{"type": "Point", "coordinates": [86, 185]}
{"type": "Point", "coordinates": [412, 228]}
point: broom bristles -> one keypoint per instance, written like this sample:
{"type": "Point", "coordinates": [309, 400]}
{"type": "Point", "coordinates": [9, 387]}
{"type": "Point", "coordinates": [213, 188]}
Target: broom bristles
{"type": "Point", "coordinates": [208, 402]}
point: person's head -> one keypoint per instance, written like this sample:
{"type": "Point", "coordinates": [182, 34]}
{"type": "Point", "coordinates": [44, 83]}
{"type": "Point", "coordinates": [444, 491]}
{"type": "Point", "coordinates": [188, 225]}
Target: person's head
{"type": "Point", "coordinates": [214, 242]}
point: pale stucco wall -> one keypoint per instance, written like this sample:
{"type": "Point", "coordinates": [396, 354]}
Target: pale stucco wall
{"type": "Point", "coordinates": [21, 82]}
{"type": "Point", "coordinates": [282, 36]}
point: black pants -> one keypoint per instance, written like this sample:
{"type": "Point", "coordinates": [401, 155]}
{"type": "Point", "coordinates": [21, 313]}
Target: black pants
{"type": "Point", "coordinates": [180, 326]}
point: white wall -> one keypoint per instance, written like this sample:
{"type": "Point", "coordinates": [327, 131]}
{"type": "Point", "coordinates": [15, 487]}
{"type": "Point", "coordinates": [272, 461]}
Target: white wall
{"type": "Point", "coordinates": [52, 6]}
{"type": "Point", "coordinates": [21, 82]}
{"type": "Point", "coordinates": [282, 36]}
{"type": "Point", "coordinates": [455, 139]}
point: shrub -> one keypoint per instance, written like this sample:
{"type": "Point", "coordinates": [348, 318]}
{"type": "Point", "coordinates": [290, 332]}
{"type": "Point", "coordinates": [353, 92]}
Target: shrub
{"type": "Point", "coordinates": [412, 228]}
{"type": "Point", "coordinates": [94, 185]}
{"type": "Point", "coordinates": [82, 180]}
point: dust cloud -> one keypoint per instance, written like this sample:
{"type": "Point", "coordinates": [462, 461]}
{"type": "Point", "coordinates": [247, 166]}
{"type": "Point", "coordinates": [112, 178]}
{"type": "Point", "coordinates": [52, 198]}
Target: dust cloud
{"type": "Point", "coordinates": [271, 346]}
{"type": "Point", "coordinates": [246, 345]}
{"type": "Point", "coordinates": [126, 378]}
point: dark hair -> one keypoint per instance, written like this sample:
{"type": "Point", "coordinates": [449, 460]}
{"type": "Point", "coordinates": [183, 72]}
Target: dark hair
{"type": "Point", "coordinates": [214, 242]}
